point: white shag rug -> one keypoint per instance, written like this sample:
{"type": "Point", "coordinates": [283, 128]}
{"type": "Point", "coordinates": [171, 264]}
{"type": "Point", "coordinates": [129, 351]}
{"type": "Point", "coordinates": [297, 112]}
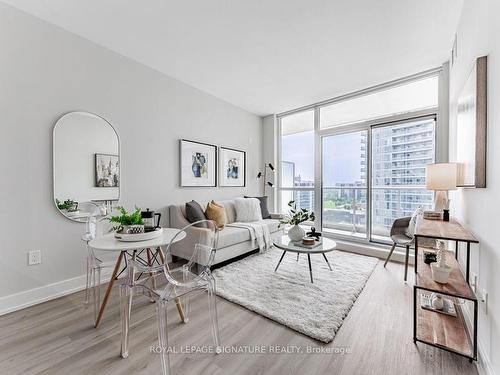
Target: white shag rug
{"type": "Point", "coordinates": [287, 296]}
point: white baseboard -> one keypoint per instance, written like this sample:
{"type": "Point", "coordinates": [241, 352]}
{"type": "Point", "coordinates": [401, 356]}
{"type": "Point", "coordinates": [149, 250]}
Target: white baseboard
{"type": "Point", "coordinates": [44, 293]}
{"type": "Point", "coordinates": [483, 362]}
{"type": "Point", "coordinates": [374, 250]}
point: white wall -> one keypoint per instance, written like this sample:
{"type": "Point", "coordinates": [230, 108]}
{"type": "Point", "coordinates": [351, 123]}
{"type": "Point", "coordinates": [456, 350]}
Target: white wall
{"type": "Point", "coordinates": [479, 34]}
{"type": "Point", "coordinates": [270, 155]}
{"type": "Point", "coordinates": [46, 72]}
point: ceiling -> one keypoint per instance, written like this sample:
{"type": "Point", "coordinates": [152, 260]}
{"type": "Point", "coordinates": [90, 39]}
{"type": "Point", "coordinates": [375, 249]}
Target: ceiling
{"type": "Point", "coordinates": [266, 56]}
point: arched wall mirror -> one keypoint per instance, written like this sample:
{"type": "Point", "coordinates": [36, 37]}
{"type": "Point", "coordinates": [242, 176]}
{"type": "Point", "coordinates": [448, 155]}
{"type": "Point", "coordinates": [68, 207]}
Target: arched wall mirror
{"type": "Point", "coordinates": [86, 165]}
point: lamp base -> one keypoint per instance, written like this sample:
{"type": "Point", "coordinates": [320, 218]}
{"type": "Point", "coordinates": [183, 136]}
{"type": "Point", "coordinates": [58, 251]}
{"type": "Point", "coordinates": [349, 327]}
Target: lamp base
{"type": "Point", "coordinates": [440, 200]}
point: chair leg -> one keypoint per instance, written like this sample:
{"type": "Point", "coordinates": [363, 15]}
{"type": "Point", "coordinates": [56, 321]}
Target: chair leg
{"type": "Point", "coordinates": [212, 304]}
{"type": "Point", "coordinates": [185, 299]}
{"type": "Point", "coordinates": [96, 290]}
{"type": "Point", "coordinates": [406, 260]}
{"type": "Point", "coordinates": [87, 285]}
{"type": "Point", "coordinates": [390, 253]}
{"type": "Point", "coordinates": [125, 309]}
{"type": "Point", "coordinates": [161, 311]}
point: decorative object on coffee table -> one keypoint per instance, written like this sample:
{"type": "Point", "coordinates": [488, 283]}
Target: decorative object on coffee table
{"type": "Point", "coordinates": [294, 217]}
{"type": "Point", "coordinates": [198, 163]}
{"type": "Point", "coordinates": [314, 234]}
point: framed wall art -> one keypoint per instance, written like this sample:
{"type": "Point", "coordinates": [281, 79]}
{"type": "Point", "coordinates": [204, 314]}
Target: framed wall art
{"type": "Point", "coordinates": [107, 170]}
{"type": "Point", "coordinates": [471, 128]}
{"type": "Point", "coordinates": [198, 164]}
{"type": "Point", "coordinates": [232, 167]}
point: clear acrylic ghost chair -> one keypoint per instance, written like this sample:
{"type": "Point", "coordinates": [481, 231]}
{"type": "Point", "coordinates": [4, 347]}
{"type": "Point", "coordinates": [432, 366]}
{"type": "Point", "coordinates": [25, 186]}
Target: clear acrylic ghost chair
{"type": "Point", "coordinates": [94, 264]}
{"type": "Point", "coordinates": [199, 243]}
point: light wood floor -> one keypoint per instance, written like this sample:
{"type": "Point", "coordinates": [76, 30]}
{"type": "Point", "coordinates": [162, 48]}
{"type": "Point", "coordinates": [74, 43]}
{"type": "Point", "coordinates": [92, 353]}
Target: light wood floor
{"type": "Point", "coordinates": [57, 337]}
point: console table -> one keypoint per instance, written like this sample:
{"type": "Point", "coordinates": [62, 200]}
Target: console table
{"type": "Point", "coordinates": [439, 330]}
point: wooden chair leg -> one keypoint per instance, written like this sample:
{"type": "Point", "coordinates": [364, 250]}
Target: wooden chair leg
{"type": "Point", "coordinates": [390, 253]}
{"type": "Point", "coordinates": [406, 260]}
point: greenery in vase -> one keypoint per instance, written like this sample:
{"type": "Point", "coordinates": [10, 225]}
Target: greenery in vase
{"type": "Point", "coordinates": [126, 218]}
{"type": "Point", "coordinates": [68, 204]}
{"type": "Point", "coordinates": [296, 216]}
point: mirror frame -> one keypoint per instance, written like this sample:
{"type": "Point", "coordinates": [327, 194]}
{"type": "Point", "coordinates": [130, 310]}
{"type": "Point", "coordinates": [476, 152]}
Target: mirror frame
{"type": "Point", "coordinates": [77, 220]}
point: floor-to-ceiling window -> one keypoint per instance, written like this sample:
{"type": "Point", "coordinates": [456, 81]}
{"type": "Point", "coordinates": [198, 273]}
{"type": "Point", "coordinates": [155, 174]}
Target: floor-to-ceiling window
{"type": "Point", "coordinates": [372, 149]}
{"type": "Point", "coordinates": [297, 160]}
{"type": "Point", "coordinates": [345, 183]}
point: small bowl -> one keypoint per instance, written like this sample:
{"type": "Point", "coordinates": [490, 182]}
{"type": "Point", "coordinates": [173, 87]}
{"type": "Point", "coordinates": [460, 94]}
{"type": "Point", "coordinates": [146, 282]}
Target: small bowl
{"type": "Point", "coordinates": [308, 240]}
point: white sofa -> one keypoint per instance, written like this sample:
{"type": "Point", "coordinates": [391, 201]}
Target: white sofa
{"type": "Point", "coordinates": [233, 242]}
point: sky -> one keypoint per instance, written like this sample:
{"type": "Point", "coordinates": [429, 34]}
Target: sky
{"type": "Point", "coordinates": [340, 163]}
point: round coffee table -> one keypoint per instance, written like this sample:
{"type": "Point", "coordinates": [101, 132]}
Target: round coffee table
{"type": "Point", "coordinates": [284, 243]}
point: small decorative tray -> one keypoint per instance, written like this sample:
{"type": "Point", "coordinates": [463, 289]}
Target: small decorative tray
{"type": "Point", "coordinates": [300, 244]}
{"type": "Point", "coordinates": [139, 236]}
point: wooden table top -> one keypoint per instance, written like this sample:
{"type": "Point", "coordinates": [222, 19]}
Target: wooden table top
{"type": "Point", "coordinates": [445, 230]}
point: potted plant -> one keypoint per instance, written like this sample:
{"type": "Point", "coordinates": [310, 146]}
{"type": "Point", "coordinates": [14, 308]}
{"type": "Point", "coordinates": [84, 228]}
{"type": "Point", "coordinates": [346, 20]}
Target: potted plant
{"type": "Point", "coordinates": [129, 223]}
{"type": "Point", "coordinates": [68, 205]}
{"type": "Point", "coordinates": [294, 217]}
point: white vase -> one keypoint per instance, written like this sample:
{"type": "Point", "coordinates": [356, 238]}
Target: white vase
{"type": "Point", "coordinates": [296, 233]}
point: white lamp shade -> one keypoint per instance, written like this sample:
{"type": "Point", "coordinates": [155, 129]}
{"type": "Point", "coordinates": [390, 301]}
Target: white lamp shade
{"type": "Point", "coordinates": [441, 176]}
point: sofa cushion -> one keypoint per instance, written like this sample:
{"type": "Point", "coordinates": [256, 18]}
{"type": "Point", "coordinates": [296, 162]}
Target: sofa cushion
{"type": "Point", "coordinates": [230, 210]}
{"type": "Point", "coordinates": [194, 212]}
{"type": "Point", "coordinates": [263, 206]}
{"type": "Point", "coordinates": [217, 213]}
{"type": "Point", "coordinates": [231, 236]}
{"type": "Point", "coordinates": [247, 210]}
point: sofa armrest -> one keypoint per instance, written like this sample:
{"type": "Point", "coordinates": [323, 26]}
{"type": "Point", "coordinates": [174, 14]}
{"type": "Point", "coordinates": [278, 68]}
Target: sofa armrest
{"type": "Point", "coordinates": [177, 218]}
{"type": "Point", "coordinates": [277, 216]}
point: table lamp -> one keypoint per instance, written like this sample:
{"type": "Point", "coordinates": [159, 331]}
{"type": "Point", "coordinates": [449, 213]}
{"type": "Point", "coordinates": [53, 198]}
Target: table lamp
{"type": "Point", "coordinates": [441, 177]}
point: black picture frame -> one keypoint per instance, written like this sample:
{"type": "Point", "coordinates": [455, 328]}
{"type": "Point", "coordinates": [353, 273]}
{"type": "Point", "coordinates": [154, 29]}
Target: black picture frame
{"type": "Point", "coordinates": [222, 169]}
{"type": "Point", "coordinates": [96, 176]}
{"type": "Point", "coordinates": [186, 178]}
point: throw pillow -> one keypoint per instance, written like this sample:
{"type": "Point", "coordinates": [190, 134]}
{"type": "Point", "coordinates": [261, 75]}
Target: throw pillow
{"type": "Point", "coordinates": [194, 212]}
{"type": "Point", "coordinates": [263, 206]}
{"type": "Point", "coordinates": [247, 210]}
{"type": "Point", "coordinates": [216, 213]}
{"type": "Point", "coordinates": [410, 231]}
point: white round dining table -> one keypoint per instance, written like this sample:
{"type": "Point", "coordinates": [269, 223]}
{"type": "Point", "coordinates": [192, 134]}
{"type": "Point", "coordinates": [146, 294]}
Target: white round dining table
{"type": "Point", "coordinates": [108, 242]}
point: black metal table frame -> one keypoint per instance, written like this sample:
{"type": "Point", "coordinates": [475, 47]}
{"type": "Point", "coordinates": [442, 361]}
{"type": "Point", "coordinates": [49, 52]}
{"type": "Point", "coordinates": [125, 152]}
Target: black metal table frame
{"type": "Point", "coordinates": [308, 260]}
{"type": "Point", "coordinates": [475, 301]}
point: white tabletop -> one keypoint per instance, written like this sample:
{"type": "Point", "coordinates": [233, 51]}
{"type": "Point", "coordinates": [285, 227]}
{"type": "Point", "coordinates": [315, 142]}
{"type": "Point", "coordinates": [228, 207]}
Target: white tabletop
{"type": "Point", "coordinates": [284, 243]}
{"type": "Point", "coordinates": [108, 242]}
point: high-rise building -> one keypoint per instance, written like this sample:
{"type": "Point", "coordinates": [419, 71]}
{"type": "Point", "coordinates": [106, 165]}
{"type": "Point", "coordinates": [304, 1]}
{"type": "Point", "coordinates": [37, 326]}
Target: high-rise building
{"type": "Point", "coordinates": [400, 154]}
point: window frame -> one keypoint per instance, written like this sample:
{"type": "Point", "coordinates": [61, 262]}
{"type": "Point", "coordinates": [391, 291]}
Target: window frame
{"type": "Point", "coordinates": [367, 125]}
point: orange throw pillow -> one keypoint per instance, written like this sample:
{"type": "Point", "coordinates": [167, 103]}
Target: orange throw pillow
{"type": "Point", "coordinates": [217, 213]}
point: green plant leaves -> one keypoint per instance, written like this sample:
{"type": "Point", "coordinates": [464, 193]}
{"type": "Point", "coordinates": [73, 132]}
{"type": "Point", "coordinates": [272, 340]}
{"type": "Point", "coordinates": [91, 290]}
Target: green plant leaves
{"type": "Point", "coordinates": [125, 218]}
{"type": "Point", "coordinates": [295, 217]}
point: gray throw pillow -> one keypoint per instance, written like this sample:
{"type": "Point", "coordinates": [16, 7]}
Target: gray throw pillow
{"type": "Point", "coordinates": [194, 212]}
{"type": "Point", "coordinates": [263, 207]}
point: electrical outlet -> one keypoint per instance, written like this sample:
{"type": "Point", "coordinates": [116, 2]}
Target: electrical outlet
{"type": "Point", "coordinates": [484, 299]}
{"type": "Point", "coordinates": [34, 257]}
